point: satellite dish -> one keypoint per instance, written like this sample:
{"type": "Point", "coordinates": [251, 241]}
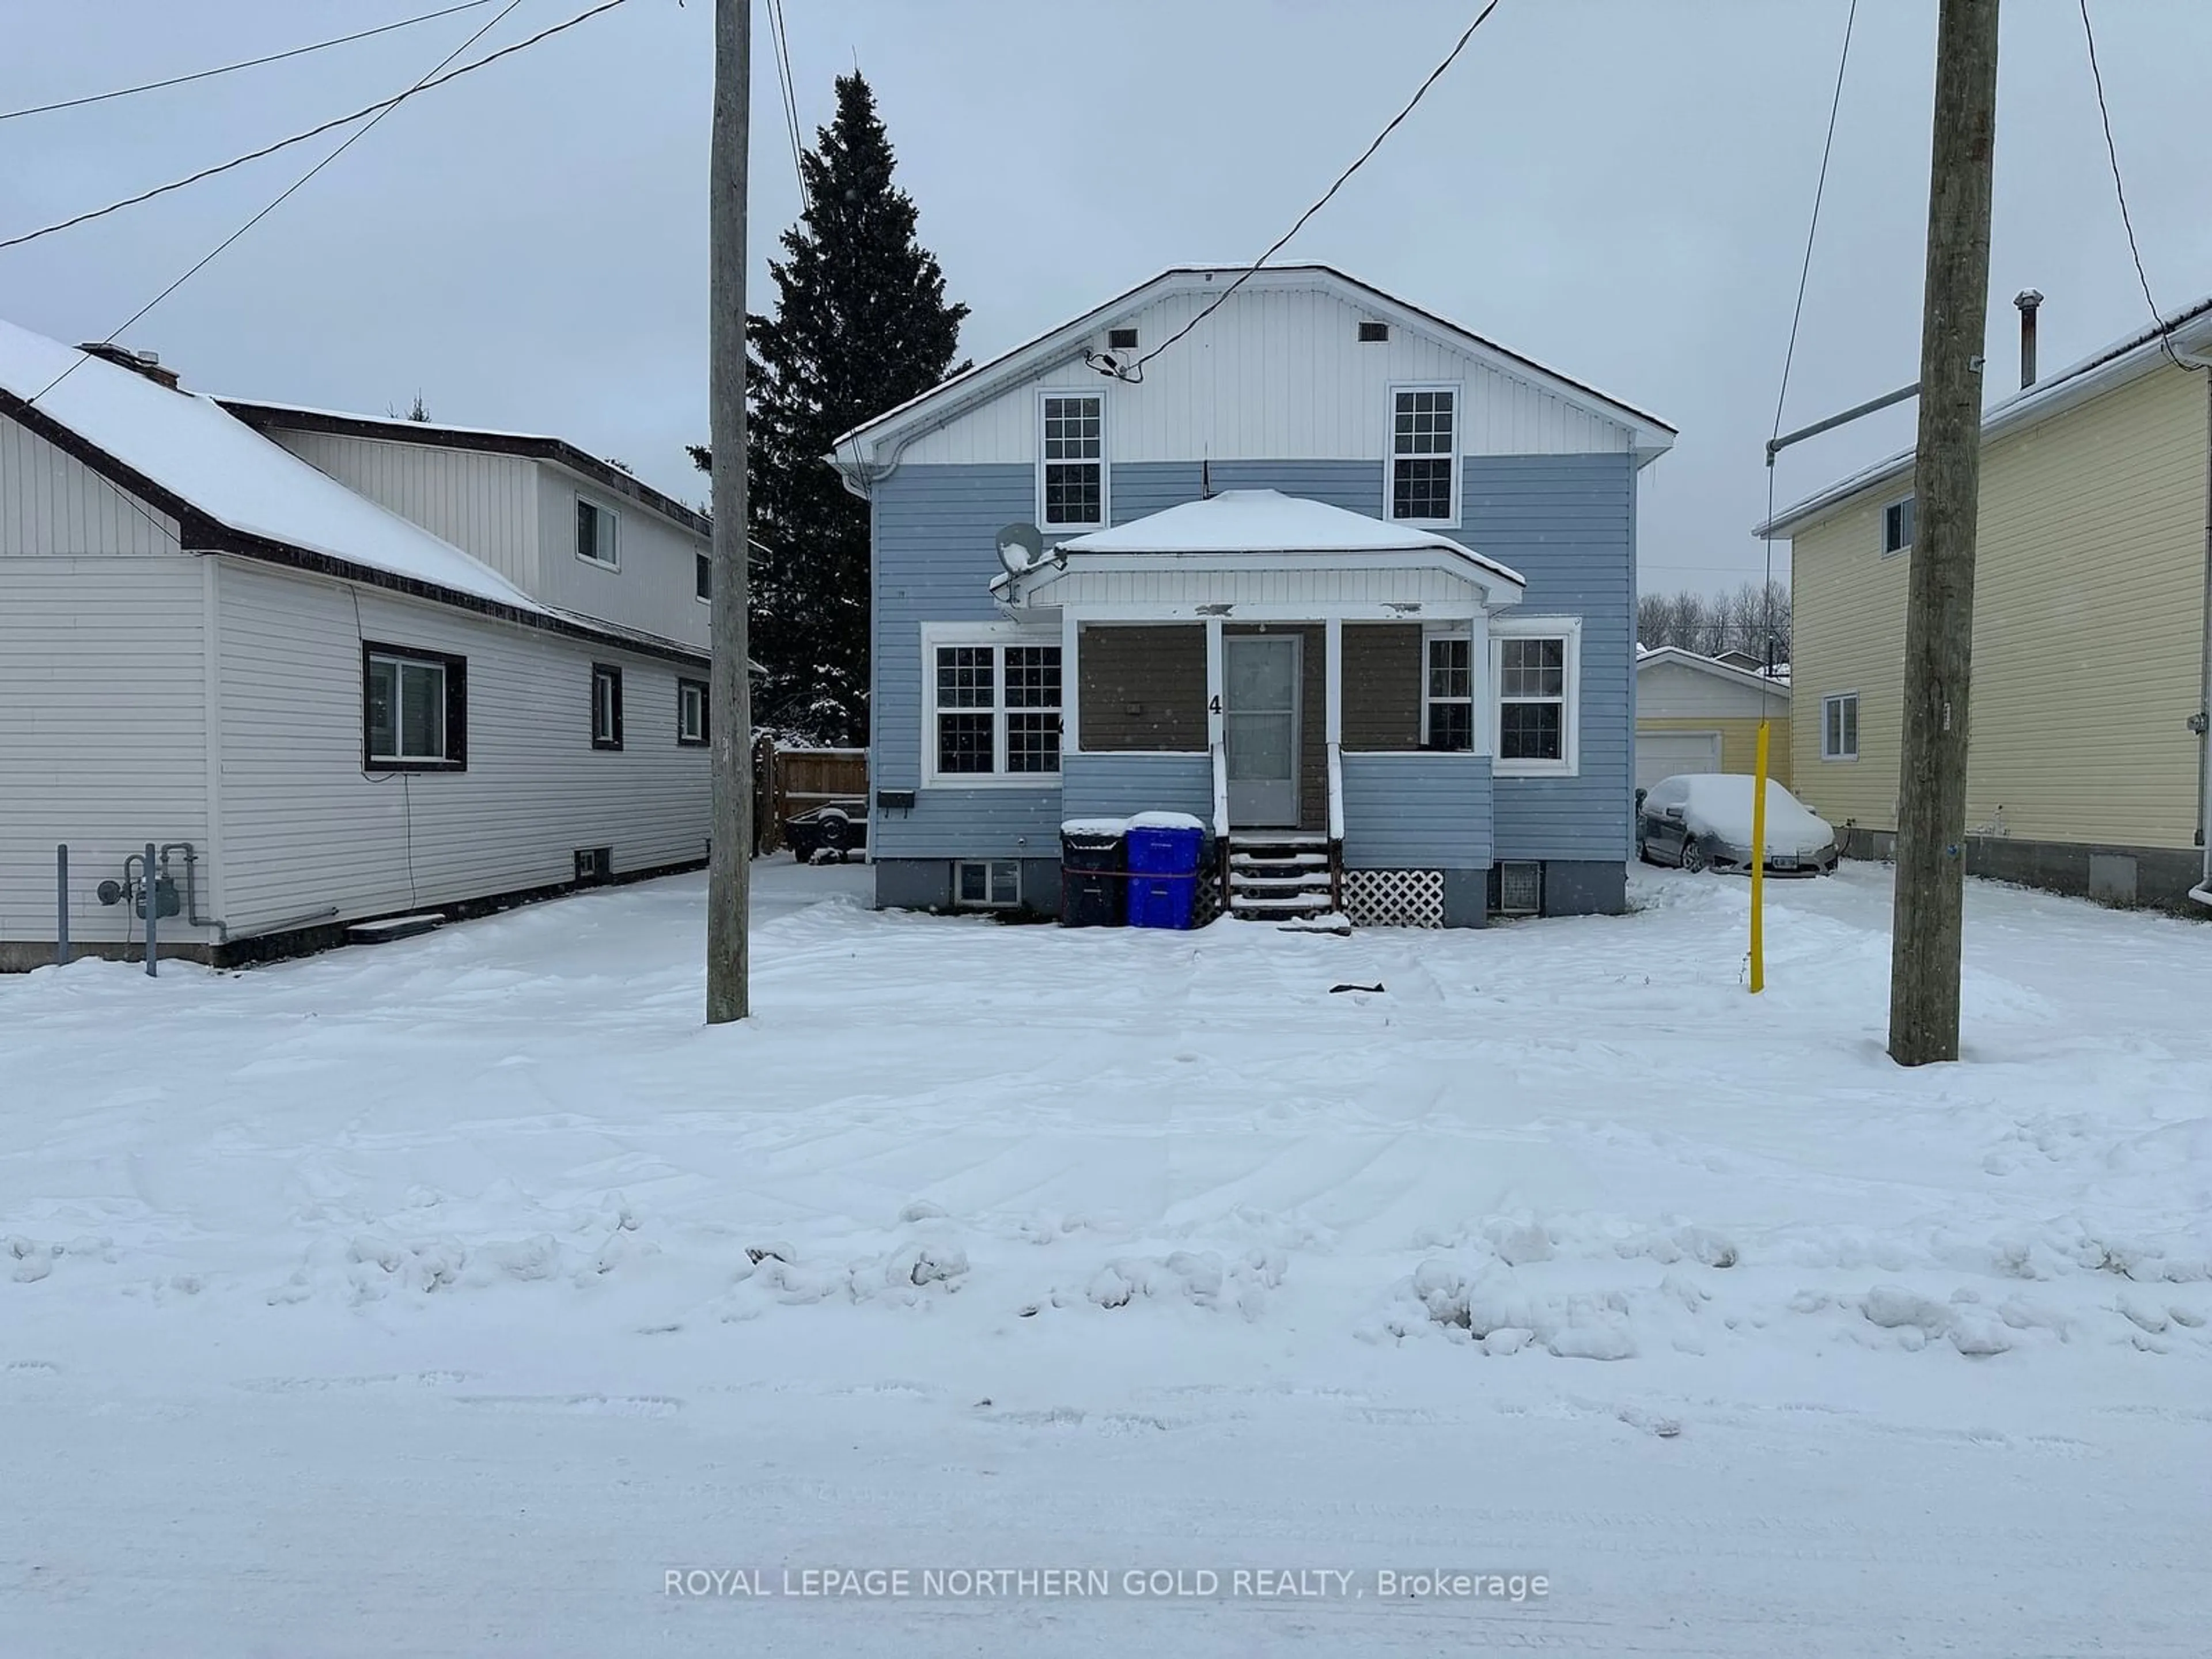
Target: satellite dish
{"type": "Point", "coordinates": [1021, 548]}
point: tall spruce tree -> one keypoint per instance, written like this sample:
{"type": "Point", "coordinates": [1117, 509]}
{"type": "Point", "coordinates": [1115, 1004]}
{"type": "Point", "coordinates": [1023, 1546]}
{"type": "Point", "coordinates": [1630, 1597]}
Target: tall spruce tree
{"type": "Point", "coordinates": [861, 324]}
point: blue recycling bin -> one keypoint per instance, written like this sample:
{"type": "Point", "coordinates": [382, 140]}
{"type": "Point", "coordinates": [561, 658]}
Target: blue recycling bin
{"type": "Point", "coordinates": [1166, 851]}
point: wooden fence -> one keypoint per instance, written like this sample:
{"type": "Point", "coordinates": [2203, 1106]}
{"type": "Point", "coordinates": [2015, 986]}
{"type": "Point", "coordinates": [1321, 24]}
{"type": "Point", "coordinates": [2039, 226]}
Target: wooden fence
{"type": "Point", "coordinates": [789, 781]}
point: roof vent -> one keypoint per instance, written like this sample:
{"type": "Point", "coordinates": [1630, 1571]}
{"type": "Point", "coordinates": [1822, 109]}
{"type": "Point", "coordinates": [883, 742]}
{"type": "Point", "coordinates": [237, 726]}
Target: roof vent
{"type": "Point", "coordinates": [1374, 333]}
{"type": "Point", "coordinates": [138, 363]}
{"type": "Point", "coordinates": [1122, 339]}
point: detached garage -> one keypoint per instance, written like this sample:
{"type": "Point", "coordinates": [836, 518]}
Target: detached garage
{"type": "Point", "coordinates": [1696, 714]}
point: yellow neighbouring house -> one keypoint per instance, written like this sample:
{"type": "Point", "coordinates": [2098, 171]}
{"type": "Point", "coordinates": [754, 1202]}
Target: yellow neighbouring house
{"type": "Point", "coordinates": [1697, 713]}
{"type": "Point", "coordinates": [2087, 759]}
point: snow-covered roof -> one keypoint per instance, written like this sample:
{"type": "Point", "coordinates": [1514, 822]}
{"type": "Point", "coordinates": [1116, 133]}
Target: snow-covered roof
{"type": "Point", "coordinates": [2189, 330]}
{"type": "Point", "coordinates": [855, 452]}
{"type": "Point", "coordinates": [206, 460]}
{"type": "Point", "coordinates": [262, 414]}
{"type": "Point", "coordinates": [1777, 681]}
{"type": "Point", "coordinates": [1266, 521]}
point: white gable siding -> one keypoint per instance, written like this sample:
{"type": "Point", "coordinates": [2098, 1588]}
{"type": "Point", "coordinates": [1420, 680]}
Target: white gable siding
{"type": "Point", "coordinates": [1670, 690]}
{"type": "Point", "coordinates": [655, 590]}
{"type": "Point", "coordinates": [103, 680]}
{"type": "Point", "coordinates": [51, 503]}
{"type": "Point", "coordinates": [485, 505]}
{"type": "Point", "coordinates": [305, 828]}
{"type": "Point", "coordinates": [1277, 374]}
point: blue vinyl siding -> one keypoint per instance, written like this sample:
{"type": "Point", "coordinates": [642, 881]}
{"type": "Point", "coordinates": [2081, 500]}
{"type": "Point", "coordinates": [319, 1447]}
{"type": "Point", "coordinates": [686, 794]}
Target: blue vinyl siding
{"type": "Point", "coordinates": [1565, 522]}
{"type": "Point", "coordinates": [1417, 811]}
{"type": "Point", "coordinates": [1117, 786]}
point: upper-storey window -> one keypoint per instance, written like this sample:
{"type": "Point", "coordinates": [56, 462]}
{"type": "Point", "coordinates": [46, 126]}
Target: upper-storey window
{"type": "Point", "coordinates": [595, 534]}
{"type": "Point", "coordinates": [1897, 527]}
{"type": "Point", "coordinates": [1425, 454]}
{"type": "Point", "coordinates": [1071, 461]}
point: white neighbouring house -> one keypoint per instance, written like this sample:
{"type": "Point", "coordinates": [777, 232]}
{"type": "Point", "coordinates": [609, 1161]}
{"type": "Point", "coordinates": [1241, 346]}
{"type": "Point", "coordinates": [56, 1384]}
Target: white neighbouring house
{"type": "Point", "coordinates": [334, 668]}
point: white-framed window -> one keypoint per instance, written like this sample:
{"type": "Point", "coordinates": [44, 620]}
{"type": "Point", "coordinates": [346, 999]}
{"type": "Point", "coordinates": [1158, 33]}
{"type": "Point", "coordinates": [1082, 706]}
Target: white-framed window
{"type": "Point", "coordinates": [1897, 527]}
{"type": "Point", "coordinates": [606, 706]}
{"type": "Point", "coordinates": [987, 884]}
{"type": "Point", "coordinates": [992, 706]}
{"type": "Point", "coordinates": [1422, 483]}
{"type": "Point", "coordinates": [414, 707]}
{"type": "Point", "coordinates": [1448, 682]}
{"type": "Point", "coordinates": [595, 542]}
{"type": "Point", "coordinates": [1071, 460]}
{"type": "Point", "coordinates": [1839, 727]}
{"type": "Point", "coordinates": [691, 713]}
{"type": "Point", "coordinates": [1536, 666]}
{"type": "Point", "coordinates": [702, 577]}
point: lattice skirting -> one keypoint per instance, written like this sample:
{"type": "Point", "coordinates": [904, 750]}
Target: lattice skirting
{"type": "Point", "coordinates": [1205, 905]}
{"type": "Point", "coordinates": [1393, 898]}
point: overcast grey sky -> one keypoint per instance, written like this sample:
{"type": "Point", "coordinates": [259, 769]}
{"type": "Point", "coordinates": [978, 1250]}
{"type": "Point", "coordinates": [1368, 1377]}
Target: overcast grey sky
{"type": "Point", "coordinates": [1616, 187]}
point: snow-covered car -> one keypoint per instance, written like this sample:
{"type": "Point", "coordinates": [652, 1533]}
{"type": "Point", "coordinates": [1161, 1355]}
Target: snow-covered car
{"type": "Point", "coordinates": [1702, 821]}
{"type": "Point", "coordinates": [835, 829]}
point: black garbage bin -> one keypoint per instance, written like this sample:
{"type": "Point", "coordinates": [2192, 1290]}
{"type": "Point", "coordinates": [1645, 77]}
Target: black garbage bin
{"type": "Point", "coordinates": [1093, 890]}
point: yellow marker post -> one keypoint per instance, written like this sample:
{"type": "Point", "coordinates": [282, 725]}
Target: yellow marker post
{"type": "Point", "coordinates": [1759, 864]}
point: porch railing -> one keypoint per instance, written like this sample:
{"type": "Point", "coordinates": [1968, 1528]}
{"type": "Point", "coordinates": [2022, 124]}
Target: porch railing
{"type": "Point", "coordinates": [1221, 821]}
{"type": "Point", "coordinates": [1336, 827]}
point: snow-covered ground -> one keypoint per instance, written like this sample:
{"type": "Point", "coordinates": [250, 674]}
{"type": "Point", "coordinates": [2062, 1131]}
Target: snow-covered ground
{"type": "Point", "coordinates": [443, 1297]}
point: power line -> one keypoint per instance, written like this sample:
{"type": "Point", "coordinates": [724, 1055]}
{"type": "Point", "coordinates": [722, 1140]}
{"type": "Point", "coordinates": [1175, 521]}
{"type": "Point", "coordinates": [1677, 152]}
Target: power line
{"type": "Point", "coordinates": [781, 35]}
{"type": "Point", "coordinates": [1134, 373]}
{"type": "Point", "coordinates": [2127, 221]}
{"type": "Point", "coordinates": [349, 143]}
{"type": "Point", "coordinates": [250, 63]}
{"type": "Point", "coordinates": [1805, 273]}
{"type": "Point", "coordinates": [379, 110]}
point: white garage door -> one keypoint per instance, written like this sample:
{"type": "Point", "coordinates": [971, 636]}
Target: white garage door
{"type": "Point", "coordinates": [1668, 754]}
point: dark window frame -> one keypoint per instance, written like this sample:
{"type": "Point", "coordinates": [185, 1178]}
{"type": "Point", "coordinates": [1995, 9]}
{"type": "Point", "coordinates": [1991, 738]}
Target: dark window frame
{"type": "Point", "coordinates": [611, 674]}
{"type": "Point", "coordinates": [706, 714]}
{"type": "Point", "coordinates": [702, 577]}
{"type": "Point", "coordinates": [456, 670]}
{"type": "Point", "coordinates": [598, 511]}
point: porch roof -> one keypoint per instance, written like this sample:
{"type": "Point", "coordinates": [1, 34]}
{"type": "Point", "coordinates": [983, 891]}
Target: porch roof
{"type": "Point", "coordinates": [1259, 523]}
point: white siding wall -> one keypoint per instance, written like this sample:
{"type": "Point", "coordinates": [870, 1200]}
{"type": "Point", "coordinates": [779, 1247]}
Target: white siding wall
{"type": "Point", "coordinates": [304, 827]}
{"type": "Point", "coordinates": [1278, 374]}
{"type": "Point", "coordinates": [52, 503]}
{"type": "Point", "coordinates": [103, 742]}
{"type": "Point", "coordinates": [1668, 690]}
{"type": "Point", "coordinates": [485, 505]}
{"type": "Point", "coordinates": [655, 590]}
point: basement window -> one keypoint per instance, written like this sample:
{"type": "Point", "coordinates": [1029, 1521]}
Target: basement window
{"type": "Point", "coordinates": [987, 884]}
{"type": "Point", "coordinates": [415, 710]}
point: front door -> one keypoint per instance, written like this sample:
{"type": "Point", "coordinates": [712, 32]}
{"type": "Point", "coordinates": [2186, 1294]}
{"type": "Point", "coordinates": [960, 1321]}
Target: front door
{"type": "Point", "coordinates": [1259, 728]}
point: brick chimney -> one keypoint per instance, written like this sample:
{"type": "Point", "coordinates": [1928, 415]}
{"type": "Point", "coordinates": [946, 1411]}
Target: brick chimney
{"type": "Point", "coordinates": [138, 363]}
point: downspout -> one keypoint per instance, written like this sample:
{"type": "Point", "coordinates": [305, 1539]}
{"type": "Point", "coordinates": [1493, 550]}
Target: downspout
{"type": "Point", "coordinates": [2203, 723]}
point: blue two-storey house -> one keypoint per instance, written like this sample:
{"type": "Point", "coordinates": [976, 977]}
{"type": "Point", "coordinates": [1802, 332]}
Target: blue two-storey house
{"type": "Point", "coordinates": [1353, 587]}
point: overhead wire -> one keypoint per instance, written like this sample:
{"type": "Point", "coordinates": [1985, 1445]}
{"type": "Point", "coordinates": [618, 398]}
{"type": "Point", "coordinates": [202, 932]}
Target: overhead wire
{"type": "Point", "coordinates": [250, 62]}
{"type": "Point", "coordinates": [780, 35]}
{"type": "Point", "coordinates": [2120, 190]}
{"type": "Point", "coordinates": [352, 139]}
{"type": "Point", "coordinates": [1804, 276]}
{"type": "Point", "coordinates": [1134, 373]}
{"type": "Point", "coordinates": [378, 110]}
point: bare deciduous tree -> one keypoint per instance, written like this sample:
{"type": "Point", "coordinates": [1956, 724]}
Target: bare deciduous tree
{"type": "Point", "coordinates": [1748, 619]}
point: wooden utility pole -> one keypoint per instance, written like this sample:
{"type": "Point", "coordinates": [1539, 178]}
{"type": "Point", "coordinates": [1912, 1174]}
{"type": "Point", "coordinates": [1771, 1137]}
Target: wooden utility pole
{"type": "Point", "coordinates": [1939, 630]}
{"type": "Point", "coordinates": [730, 714]}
